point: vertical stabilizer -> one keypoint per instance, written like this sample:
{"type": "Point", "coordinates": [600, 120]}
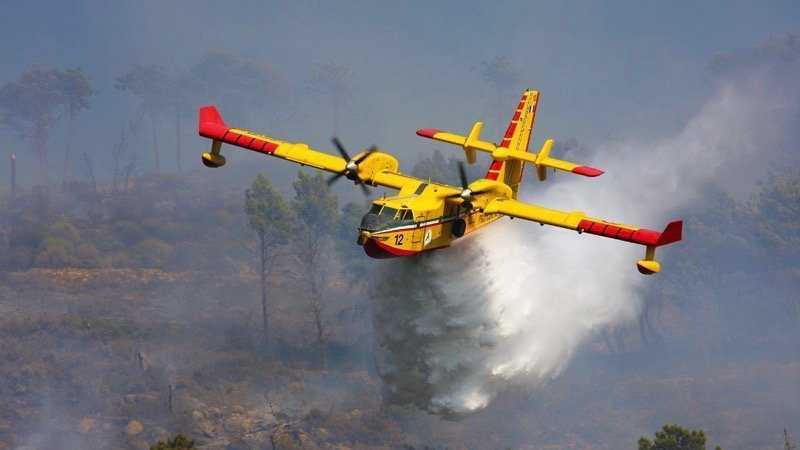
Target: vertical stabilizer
{"type": "Point", "coordinates": [517, 136]}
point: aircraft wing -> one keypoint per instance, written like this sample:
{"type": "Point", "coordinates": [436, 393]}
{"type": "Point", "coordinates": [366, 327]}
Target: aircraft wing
{"type": "Point", "coordinates": [579, 221]}
{"type": "Point", "coordinates": [378, 168]}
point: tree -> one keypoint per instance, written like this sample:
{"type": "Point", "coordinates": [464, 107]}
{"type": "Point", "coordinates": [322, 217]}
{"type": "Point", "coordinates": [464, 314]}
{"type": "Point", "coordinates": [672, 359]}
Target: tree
{"type": "Point", "coordinates": [179, 442]}
{"type": "Point", "coordinates": [76, 88]}
{"type": "Point", "coordinates": [334, 81]}
{"type": "Point", "coordinates": [438, 169]}
{"type": "Point", "coordinates": [317, 215]}
{"type": "Point", "coordinates": [675, 437]}
{"type": "Point", "coordinates": [269, 216]}
{"type": "Point", "coordinates": [349, 252]}
{"type": "Point", "coordinates": [184, 87]}
{"type": "Point", "coordinates": [152, 86]}
{"type": "Point", "coordinates": [240, 85]}
{"type": "Point", "coordinates": [31, 106]}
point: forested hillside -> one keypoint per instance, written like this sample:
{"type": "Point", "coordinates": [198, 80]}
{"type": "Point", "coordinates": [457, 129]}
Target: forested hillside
{"type": "Point", "coordinates": [130, 315]}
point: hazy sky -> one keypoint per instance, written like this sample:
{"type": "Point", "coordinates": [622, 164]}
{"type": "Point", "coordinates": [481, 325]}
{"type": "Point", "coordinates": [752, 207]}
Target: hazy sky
{"type": "Point", "coordinates": [605, 69]}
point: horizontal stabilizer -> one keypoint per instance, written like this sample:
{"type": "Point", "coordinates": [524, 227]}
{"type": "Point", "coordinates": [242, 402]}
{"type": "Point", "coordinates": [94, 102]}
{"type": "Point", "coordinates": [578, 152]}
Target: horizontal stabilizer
{"type": "Point", "coordinates": [541, 160]}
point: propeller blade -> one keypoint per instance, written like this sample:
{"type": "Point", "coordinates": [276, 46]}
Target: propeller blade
{"type": "Point", "coordinates": [364, 189]}
{"type": "Point", "coordinates": [338, 144]}
{"type": "Point", "coordinates": [335, 177]}
{"type": "Point", "coordinates": [367, 153]}
{"type": "Point", "coordinates": [462, 175]}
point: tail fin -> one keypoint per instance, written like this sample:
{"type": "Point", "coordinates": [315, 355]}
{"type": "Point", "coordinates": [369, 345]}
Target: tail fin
{"type": "Point", "coordinates": [211, 125]}
{"type": "Point", "coordinates": [516, 138]}
{"type": "Point", "coordinates": [672, 233]}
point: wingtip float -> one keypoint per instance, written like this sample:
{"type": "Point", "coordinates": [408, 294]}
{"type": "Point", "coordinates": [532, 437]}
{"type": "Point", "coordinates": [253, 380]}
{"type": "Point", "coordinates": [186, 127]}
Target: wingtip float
{"type": "Point", "coordinates": [426, 215]}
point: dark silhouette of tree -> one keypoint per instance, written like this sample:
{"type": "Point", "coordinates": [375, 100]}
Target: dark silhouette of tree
{"type": "Point", "coordinates": [152, 86]}
{"type": "Point", "coordinates": [269, 216]}
{"type": "Point", "coordinates": [317, 214]}
{"type": "Point", "coordinates": [31, 105]}
{"type": "Point", "coordinates": [333, 81]}
{"type": "Point", "coordinates": [675, 437]}
{"type": "Point", "coordinates": [76, 88]}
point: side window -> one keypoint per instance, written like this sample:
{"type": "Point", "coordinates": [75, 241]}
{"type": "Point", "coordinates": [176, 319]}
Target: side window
{"type": "Point", "coordinates": [408, 215]}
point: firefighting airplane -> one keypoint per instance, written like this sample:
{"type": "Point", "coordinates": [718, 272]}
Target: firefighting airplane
{"type": "Point", "coordinates": [426, 215]}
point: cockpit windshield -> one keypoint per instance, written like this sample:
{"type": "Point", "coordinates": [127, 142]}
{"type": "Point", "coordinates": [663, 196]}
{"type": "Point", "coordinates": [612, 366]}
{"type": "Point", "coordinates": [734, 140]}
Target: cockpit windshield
{"type": "Point", "coordinates": [380, 217]}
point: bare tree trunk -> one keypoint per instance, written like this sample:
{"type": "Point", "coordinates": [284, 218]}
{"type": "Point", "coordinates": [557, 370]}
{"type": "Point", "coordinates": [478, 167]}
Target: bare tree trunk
{"type": "Point", "coordinates": [642, 325]}
{"type": "Point", "coordinates": [619, 339]}
{"type": "Point", "coordinates": [264, 311]}
{"type": "Point", "coordinates": [88, 167]}
{"type": "Point", "coordinates": [319, 325]}
{"type": "Point", "coordinates": [13, 176]}
{"type": "Point", "coordinates": [648, 333]}
{"type": "Point", "coordinates": [178, 138]}
{"type": "Point", "coordinates": [156, 153]}
{"type": "Point", "coordinates": [40, 145]}
{"type": "Point", "coordinates": [318, 309]}
{"type": "Point", "coordinates": [310, 254]}
{"type": "Point", "coordinates": [68, 147]}
{"type": "Point", "coordinates": [609, 344]}
{"type": "Point", "coordinates": [169, 400]}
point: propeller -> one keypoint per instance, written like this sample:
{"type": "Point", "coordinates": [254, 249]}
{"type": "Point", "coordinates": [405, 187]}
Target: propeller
{"type": "Point", "coordinates": [351, 169]}
{"type": "Point", "coordinates": [466, 193]}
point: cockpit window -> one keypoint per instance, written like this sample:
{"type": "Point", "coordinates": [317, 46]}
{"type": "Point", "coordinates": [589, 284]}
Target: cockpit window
{"type": "Point", "coordinates": [388, 213]}
{"type": "Point", "coordinates": [381, 217]}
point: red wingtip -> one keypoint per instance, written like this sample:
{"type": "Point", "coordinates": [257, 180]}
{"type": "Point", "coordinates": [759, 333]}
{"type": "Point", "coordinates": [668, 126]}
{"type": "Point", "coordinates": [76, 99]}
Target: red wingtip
{"type": "Point", "coordinates": [210, 123]}
{"type": "Point", "coordinates": [587, 171]}
{"type": "Point", "coordinates": [672, 233]}
{"type": "Point", "coordinates": [427, 132]}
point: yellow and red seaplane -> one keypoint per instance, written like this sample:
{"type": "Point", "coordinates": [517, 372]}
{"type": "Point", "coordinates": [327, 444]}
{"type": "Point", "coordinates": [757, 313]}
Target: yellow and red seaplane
{"type": "Point", "coordinates": [426, 215]}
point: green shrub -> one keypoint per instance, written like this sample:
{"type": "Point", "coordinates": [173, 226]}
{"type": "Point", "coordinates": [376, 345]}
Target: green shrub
{"type": "Point", "coordinates": [179, 442]}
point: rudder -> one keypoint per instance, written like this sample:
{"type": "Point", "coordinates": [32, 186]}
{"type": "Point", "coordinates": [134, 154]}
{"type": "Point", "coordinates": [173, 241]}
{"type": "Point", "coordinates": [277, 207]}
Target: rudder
{"type": "Point", "coordinates": [516, 137]}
